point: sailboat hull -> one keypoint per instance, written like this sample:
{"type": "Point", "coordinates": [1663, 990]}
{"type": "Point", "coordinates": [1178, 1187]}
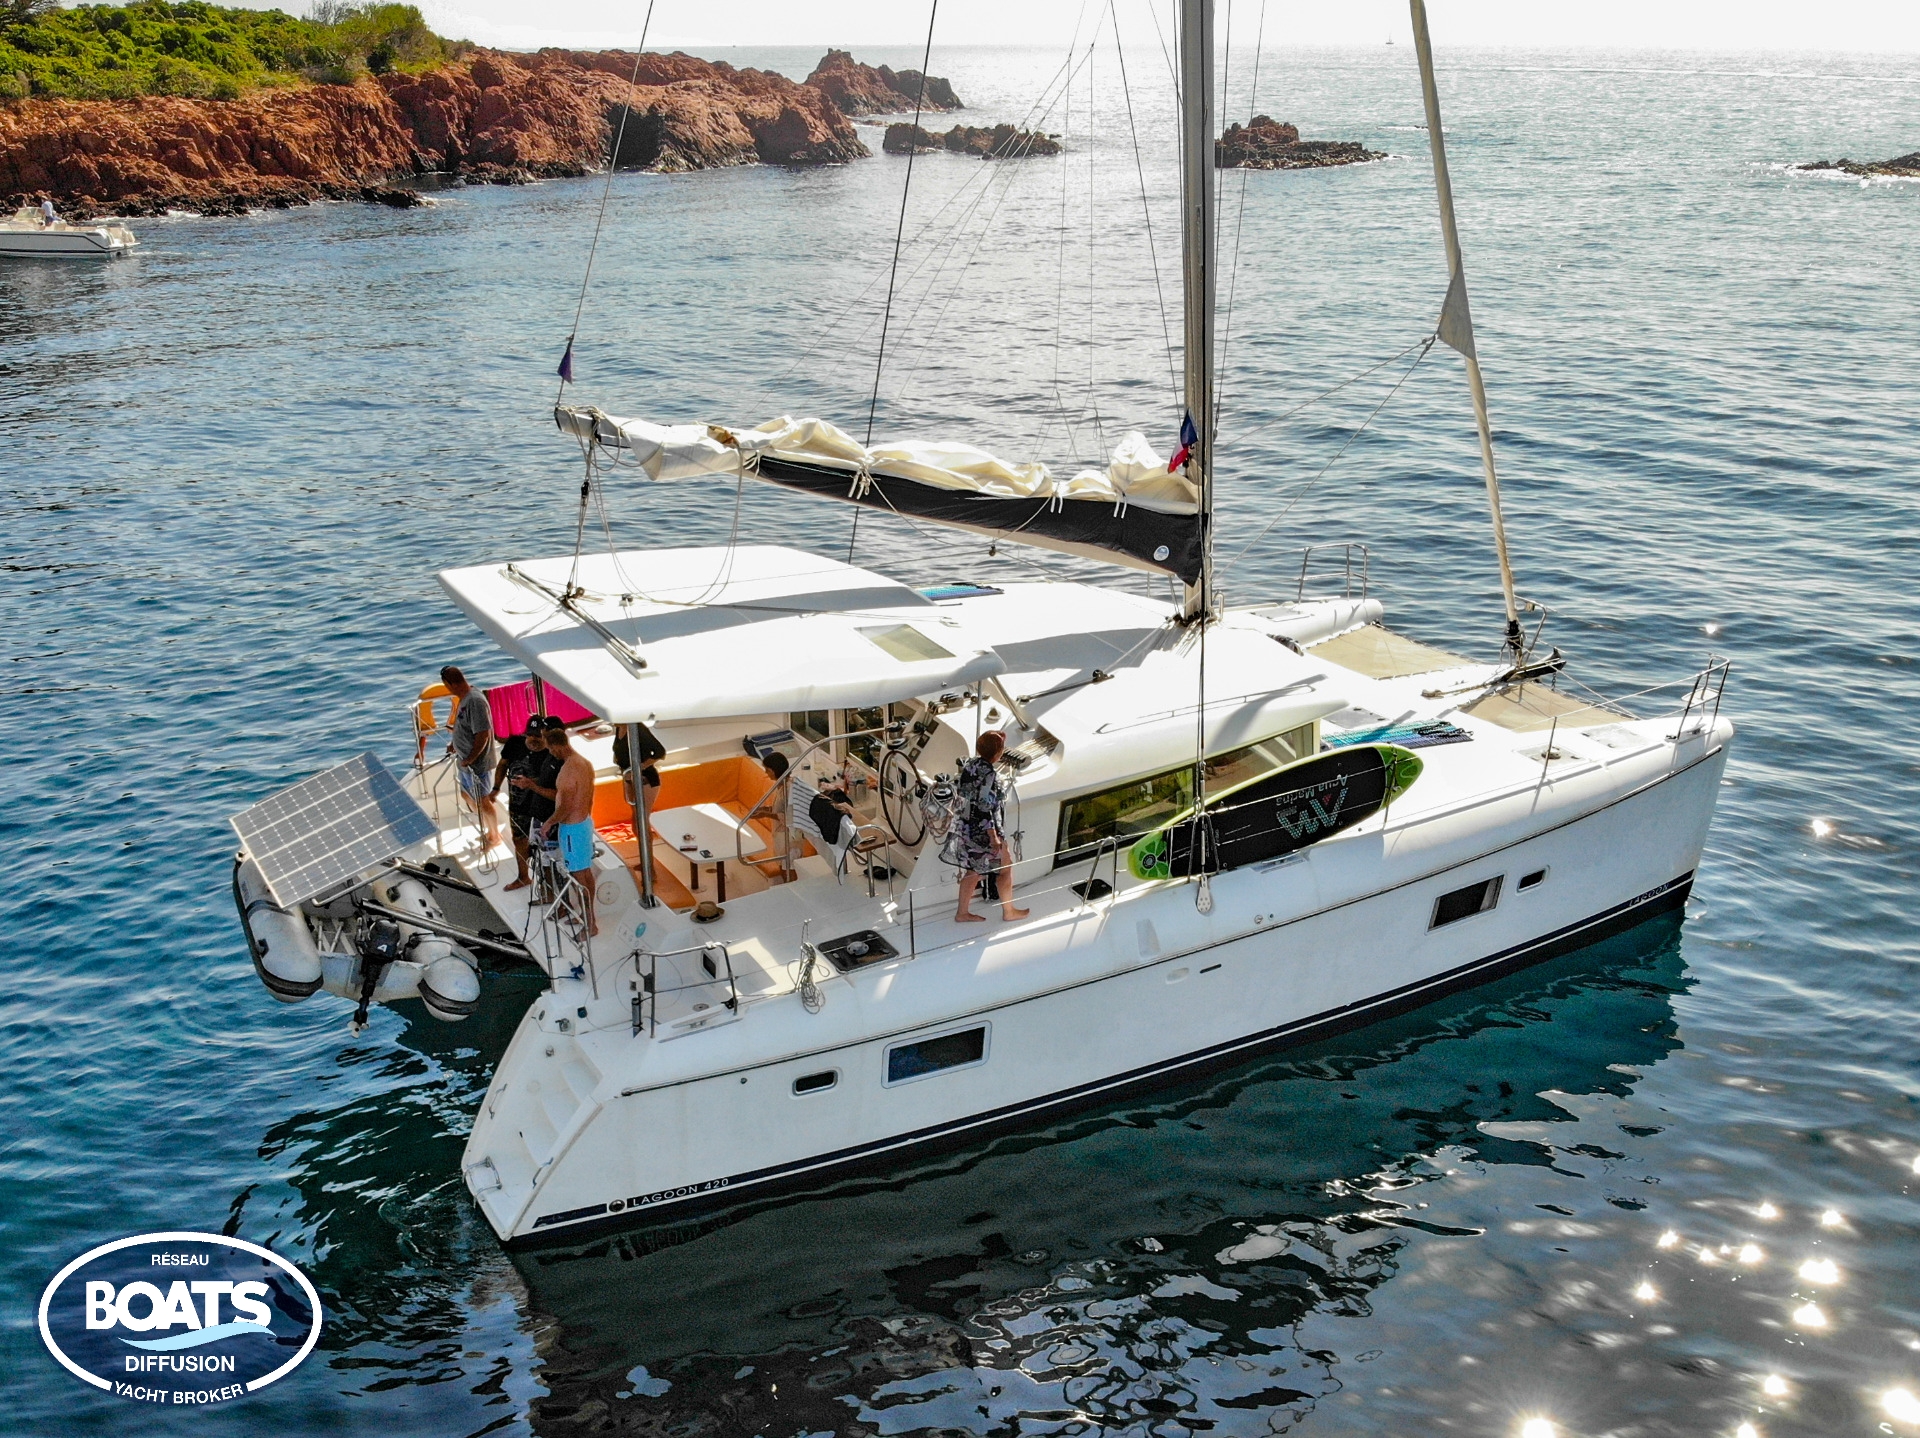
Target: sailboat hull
{"type": "Point", "coordinates": [1151, 992]}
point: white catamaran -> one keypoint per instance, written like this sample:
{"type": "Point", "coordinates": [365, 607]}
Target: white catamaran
{"type": "Point", "coordinates": [1237, 827]}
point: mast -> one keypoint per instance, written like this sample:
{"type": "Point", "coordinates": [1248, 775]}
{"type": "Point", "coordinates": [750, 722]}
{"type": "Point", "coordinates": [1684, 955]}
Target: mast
{"type": "Point", "coordinates": [1197, 263]}
{"type": "Point", "coordinates": [1456, 319]}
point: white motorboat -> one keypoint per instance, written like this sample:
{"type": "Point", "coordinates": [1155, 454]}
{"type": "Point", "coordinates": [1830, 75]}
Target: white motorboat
{"type": "Point", "coordinates": [1235, 827]}
{"type": "Point", "coordinates": [29, 235]}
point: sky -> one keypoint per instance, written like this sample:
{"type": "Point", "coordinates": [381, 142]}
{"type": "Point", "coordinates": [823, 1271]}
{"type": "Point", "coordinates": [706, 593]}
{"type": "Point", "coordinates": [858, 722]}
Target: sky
{"type": "Point", "coordinates": [1724, 25]}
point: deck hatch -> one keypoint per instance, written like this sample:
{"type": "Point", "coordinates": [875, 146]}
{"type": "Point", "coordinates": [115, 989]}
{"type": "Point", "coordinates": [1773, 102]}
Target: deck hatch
{"type": "Point", "coordinates": [857, 950]}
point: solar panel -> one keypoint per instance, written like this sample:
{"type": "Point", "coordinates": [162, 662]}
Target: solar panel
{"type": "Point", "coordinates": [329, 828]}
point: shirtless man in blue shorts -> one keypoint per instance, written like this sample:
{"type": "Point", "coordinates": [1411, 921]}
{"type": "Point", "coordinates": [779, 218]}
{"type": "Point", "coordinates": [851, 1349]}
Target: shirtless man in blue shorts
{"type": "Point", "coordinates": [572, 821]}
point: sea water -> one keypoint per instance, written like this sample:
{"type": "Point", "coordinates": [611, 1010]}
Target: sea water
{"type": "Point", "coordinates": [234, 462]}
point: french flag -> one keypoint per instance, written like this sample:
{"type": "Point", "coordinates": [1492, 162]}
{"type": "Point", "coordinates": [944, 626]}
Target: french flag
{"type": "Point", "coordinates": [1189, 437]}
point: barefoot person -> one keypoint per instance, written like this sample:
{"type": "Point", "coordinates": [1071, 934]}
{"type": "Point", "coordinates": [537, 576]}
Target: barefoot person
{"type": "Point", "coordinates": [980, 829]}
{"type": "Point", "coordinates": [572, 818]}
{"type": "Point", "coordinates": [528, 772]}
{"type": "Point", "coordinates": [473, 750]}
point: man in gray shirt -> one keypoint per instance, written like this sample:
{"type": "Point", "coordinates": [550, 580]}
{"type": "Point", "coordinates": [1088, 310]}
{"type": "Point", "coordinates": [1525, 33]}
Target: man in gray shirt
{"type": "Point", "coordinates": [473, 750]}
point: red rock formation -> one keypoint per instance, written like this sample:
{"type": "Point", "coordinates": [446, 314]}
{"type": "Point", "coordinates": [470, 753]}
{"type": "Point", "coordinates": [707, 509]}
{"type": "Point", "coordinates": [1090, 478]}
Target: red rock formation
{"type": "Point", "coordinates": [495, 116]}
{"type": "Point", "coordinates": [1264, 143]}
{"type": "Point", "coordinates": [866, 90]}
{"type": "Point", "coordinates": [1001, 142]}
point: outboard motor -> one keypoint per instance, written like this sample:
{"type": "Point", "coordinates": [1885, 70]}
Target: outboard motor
{"type": "Point", "coordinates": [379, 943]}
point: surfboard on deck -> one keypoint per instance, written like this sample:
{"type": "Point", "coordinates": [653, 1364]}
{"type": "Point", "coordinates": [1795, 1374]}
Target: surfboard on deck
{"type": "Point", "coordinates": [1277, 813]}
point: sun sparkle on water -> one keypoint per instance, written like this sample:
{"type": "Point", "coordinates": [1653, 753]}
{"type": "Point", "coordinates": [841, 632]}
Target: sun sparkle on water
{"type": "Point", "coordinates": [1901, 1405]}
{"type": "Point", "coordinates": [1820, 1270]}
{"type": "Point", "coordinates": [1750, 1253]}
{"type": "Point", "coordinates": [1775, 1386]}
{"type": "Point", "coordinates": [1808, 1315]}
{"type": "Point", "coordinates": [1538, 1428]}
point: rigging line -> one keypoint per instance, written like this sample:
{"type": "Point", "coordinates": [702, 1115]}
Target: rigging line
{"type": "Point", "coordinates": [1060, 276]}
{"type": "Point", "coordinates": [927, 333]}
{"type": "Point", "coordinates": [1093, 397]}
{"type": "Point", "coordinates": [613, 161]}
{"type": "Point", "coordinates": [1036, 113]}
{"type": "Point", "coordinates": [1328, 394]}
{"type": "Point", "coordinates": [1010, 174]}
{"type": "Point", "coordinates": [1173, 70]}
{"type": "Point", "coordinates": [899, 233]}
{"type": "Point", "coordinates": [1239, 227]}
{"type": "Point", "coordinates": [852, 307]}
{"type": "Point", "coordinates": [1425, 347]}
{"type": "Point", "coordinates": [1146, 210]}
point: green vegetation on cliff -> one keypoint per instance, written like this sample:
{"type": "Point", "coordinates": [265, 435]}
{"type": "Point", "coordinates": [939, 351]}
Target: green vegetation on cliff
{"type": "Point", "coordinates": [104, 52]}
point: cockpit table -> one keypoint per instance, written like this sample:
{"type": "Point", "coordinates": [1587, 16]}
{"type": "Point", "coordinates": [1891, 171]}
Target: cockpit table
{"type": "Point", "coordinates": [708, 834]}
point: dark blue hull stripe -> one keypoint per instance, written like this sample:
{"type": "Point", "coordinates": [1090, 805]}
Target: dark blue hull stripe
{"type": "Point", "coordinates": [1330, 1021]}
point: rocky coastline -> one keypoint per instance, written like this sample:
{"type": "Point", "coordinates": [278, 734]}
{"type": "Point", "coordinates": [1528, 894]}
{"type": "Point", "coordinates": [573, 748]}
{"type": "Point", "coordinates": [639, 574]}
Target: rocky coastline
{"type": "Point", "coordinates": [1900, 167]}
{"type": "Point", "coordinates": [1264, 143]}
{"type": "Point", "coordinates": [492, 117]}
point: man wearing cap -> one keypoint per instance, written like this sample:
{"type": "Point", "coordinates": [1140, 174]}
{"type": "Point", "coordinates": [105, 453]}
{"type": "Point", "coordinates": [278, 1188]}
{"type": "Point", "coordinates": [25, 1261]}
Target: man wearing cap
{"type": "Point", "coordinates": [473, 750]}
{"type": "Point", "coordinates": [527, 770]}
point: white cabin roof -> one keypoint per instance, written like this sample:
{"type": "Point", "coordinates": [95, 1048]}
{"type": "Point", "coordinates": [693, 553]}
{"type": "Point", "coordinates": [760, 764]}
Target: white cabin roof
{"type": "Point", "coordinates": [710, 633]}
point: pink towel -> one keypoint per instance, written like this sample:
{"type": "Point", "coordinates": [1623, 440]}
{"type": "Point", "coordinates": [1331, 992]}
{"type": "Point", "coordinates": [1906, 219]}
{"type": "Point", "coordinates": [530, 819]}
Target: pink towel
{"type": "Point", "coordinates": [512, 705]}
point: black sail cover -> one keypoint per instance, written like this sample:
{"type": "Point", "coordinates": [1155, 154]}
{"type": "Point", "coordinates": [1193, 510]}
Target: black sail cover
{"type": "Point", "coordinates": [1098, 528]}
{"type": "Point", "coordinates": [1136, 513]}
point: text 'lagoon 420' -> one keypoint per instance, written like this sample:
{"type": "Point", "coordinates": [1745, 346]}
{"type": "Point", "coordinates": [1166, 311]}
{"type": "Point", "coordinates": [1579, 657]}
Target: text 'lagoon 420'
{"type": "Point", "coordinates": [1231, 827]}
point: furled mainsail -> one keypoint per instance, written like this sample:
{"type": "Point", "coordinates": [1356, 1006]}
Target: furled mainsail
{"type": "Point", "coordinates": [1135, 512]}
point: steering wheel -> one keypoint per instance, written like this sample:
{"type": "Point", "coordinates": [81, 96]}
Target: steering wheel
{"type": "Point", "coordinates": [900, 786]}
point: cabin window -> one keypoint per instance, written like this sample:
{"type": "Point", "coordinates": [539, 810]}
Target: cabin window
{"type": "Point", "coordinates": [1532, 881]}
{"type": "Point", "coordinates": [810, 726]}
{"type": "Point", "coordinates": [1128, 810]}
{"type": "Point", "coordinates": [1122, 812]}
{"type": "Point", "coordinates": [1465, 903]}
{"type": "Point", "coordinates": [816, 1083]}
{"type": "Point", "coordinates": [931, 1056]}
{"type": "Point", "coordinates": [1237, 766]}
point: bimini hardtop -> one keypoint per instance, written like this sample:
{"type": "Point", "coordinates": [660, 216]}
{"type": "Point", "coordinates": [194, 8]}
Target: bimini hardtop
{"type": "Point", "coordinates": [687, 634]}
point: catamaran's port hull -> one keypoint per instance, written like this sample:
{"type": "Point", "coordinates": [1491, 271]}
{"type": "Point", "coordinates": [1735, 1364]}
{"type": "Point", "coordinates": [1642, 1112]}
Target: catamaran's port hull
{"type": "Point", "coordinates": [1610, 868]}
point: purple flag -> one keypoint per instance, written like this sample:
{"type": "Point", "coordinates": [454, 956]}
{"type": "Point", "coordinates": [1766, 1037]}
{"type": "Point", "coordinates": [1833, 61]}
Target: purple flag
{"type": "Point", "coordinates": [566, 363]}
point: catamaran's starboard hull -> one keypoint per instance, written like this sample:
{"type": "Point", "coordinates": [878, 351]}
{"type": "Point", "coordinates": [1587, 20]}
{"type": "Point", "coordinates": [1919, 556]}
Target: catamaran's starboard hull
{"type": "Point", "coordinates": [890, 1154]}
{"type": "Point", "coordinates": [656, 1153]}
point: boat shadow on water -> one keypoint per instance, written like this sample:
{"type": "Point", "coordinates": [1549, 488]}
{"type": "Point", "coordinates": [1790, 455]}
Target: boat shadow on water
{"type": "Point", "coordinates": [1146, 1259]}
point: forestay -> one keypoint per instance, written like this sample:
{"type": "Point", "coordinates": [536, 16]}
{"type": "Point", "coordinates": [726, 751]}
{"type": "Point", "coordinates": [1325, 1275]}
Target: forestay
{"type": "Point", "coordinates": [1135, 512]}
